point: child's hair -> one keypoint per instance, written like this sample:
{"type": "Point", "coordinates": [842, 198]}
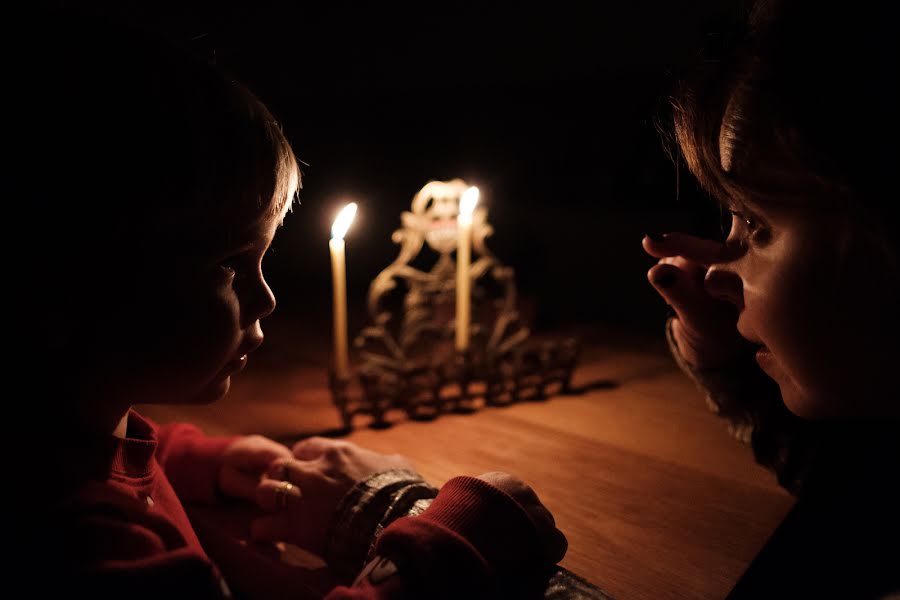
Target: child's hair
{"type": "Point", "coordinates": [133, 149]}
{"type": "Point", "coordinates": [801, 110]}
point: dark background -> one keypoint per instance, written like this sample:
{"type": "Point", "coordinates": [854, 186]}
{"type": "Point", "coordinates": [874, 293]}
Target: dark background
{"type": "Point", "coordinates": [550, 110]}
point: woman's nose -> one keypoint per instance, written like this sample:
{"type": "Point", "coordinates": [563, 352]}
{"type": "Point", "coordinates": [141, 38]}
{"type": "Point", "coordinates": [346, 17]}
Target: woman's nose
{"type": "Point", "coordinates": [725, 285]}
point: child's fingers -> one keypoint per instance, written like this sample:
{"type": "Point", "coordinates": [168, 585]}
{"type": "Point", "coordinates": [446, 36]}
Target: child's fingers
{"type": "Point", "coordinates": [556, 546]}
{"type": "Point", "coordinates": [288, 527]}
{"type": "Point", "coordinates": [295, 518]}
{"type": "Point", "coordinates": [256, 452]}
{"type": "Point", "coordinates": [702, 251]}
{"type": "Point", "coordinates": [238, 484]}
{"type": "Point", "coordinates": [271, 528]}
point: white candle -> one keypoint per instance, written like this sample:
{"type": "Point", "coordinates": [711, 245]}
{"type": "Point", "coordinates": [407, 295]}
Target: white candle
{"type": "Point", "coordinates": [339, 281]}
{"type": "Point", "coordinates": [463, 260]}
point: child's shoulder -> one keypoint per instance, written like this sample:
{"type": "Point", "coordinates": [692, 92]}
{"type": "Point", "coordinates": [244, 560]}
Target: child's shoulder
{"type": "Point", "coordinates": [98, 522]}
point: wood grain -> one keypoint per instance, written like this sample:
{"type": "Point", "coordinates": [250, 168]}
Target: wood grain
{"type": "Point", "coordinates": [655, 497]}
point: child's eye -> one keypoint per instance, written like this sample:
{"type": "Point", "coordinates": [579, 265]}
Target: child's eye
{"type": "Point", "coordinates": [234, 267]}
{"type": "Point", "coordinates": [240, 266]}
{"type": "Point", "coordinates": [227, 270]}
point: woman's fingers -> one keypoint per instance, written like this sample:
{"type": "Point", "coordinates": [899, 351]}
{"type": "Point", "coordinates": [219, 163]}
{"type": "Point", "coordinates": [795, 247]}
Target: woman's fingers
{"type": "Point", "coordinates": [699, 250]}
{"type": "Point", "coordinates": [305, 475]}
{"type": "Point", "coordinates": [280, 469]}
{"type": "Point", "coordinates": [273, 495]}
{"type": "Point", "coordinates": [312, 448]}
{"type": "Point", "coordinates": [705, 328]}
{"type": "Point", "coordinates": [683, 290]}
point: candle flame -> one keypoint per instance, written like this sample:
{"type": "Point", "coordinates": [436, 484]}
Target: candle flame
{"type": "Point", "coordinates": [468, 201]}
{"type": "Point", "coordinates": [343, 221]}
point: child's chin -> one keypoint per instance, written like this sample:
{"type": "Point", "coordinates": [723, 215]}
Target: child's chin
{"type": "Point", "coordinates": [216, 390]}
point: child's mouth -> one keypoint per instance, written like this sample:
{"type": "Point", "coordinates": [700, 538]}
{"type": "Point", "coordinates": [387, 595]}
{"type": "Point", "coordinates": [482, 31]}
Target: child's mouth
{"type": "Point", "coordinates": [235, 366]}
{"type": "Point", "coordinates": [764, 359]}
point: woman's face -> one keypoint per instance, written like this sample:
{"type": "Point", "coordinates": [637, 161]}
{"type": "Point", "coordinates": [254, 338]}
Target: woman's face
{"type": "Point", "coordinates": [820, 307]}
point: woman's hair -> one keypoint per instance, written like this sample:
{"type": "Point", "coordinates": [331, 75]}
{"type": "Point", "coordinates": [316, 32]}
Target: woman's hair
{"type": "Point", "coordinates": [802, 109]}
{"type": "Point", "coordinates": [801, 112]}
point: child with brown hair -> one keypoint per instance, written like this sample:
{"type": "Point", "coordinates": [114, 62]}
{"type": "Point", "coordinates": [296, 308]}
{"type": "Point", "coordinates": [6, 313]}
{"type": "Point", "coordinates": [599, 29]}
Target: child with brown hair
{"type": "Point", "coordinates": [155, 185]}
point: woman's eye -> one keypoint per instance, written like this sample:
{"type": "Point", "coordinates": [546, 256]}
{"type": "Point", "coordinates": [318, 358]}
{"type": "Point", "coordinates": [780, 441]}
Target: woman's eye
{"type": "Point", "coordinates": [747, 221]}
{"type": "Point", "coordinates": [750, 225]}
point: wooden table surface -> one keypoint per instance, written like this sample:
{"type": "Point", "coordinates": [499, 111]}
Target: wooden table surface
{"type": "Point", "coordinates": [655, 497]}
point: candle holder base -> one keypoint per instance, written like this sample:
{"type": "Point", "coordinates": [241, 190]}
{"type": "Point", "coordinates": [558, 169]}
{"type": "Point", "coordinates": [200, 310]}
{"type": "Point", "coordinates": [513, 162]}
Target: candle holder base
{"type": "Point", "coordinates": [470, 382]}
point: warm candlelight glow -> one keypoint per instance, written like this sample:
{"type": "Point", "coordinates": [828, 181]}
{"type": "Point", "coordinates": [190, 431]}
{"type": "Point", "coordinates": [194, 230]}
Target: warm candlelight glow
{"type": "Point", "coordinates": [467, 204]}
{"type": "Point", "coordinates": [345, 219]}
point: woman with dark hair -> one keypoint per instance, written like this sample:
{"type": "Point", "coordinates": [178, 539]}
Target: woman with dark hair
{"type": "Point", "coordinates": [791, 325]}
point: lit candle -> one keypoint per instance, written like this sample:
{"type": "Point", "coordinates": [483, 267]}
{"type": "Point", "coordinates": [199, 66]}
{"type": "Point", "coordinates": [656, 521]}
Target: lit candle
{"type": "Point", "coordinates": [463, 259]}
{"type": "Point", "coordinates": [339, 280]}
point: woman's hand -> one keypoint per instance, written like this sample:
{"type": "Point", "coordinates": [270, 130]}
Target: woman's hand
{"type": "Point", "coordinates": [705, 326]}
{"type": "Point", "coordinates": [553, 540]}
{"type": "Point", "coordinates": [245, 462]}
{"type": "Point", "coordinates": [320, 472]}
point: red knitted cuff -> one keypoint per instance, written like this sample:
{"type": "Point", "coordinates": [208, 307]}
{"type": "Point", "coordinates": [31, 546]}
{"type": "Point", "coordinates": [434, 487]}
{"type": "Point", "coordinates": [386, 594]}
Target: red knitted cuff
{"type": "Point", "coordinates": [471, 531]}
{"type": "Point", "coordinates": [490, 520]}
{"type": "Point", "coordinates": [192, 461]}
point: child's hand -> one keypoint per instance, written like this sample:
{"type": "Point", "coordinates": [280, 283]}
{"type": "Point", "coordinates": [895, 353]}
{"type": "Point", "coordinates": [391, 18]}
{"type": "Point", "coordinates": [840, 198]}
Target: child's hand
{"type": "Point", "coordinates": [320, 473]}
{"type": "Point", "coordinates": [245, 462]}
{"type": "Point", "coordinates": [554, 542]}
{"type": "Point", "coordinates": [705, 327]}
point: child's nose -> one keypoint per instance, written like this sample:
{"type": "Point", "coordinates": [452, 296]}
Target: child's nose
{"type": "Point", "coordinates": [260, 305]}
{"type": "Point", "coordinates": [725, 285]}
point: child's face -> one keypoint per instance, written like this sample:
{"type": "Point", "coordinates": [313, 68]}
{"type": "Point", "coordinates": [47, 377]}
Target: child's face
{"type": "Point", "coordinates": [191, 325]}
{"type": "Point", "coordinates": [829, 348]}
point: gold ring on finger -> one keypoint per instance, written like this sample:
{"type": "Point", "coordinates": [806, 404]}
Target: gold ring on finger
{"type": "Point", "coordinates": [281, 494]}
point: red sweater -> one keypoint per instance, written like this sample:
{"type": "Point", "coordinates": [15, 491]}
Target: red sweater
{"type": "Point", "coordinates": [124, 531]}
